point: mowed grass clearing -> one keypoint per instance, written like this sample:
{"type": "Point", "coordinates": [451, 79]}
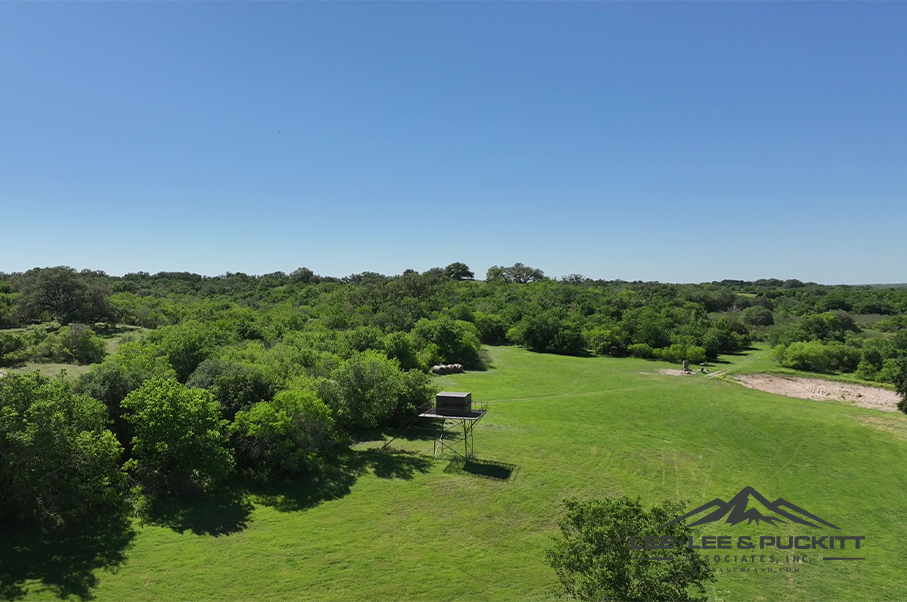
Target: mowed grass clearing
{"type": "Point", "coordinates": [402, 527]}
{"type": "Point", "coordinates": [112, 340]}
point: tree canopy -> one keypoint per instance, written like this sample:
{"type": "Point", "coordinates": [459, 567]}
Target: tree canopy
{"type": "Point", "coordinates": [595, 561]}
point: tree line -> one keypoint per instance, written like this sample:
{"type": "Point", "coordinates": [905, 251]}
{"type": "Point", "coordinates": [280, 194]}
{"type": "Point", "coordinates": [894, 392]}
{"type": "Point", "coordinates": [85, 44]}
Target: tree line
{"type": "Point", "coordinates": [264, 377]}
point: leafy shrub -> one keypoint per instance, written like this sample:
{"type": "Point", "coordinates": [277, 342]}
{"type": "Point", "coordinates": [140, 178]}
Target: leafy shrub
{"type": "Point", "coordinates": [679, 352]}
{"type": "Point", "coordinates": [757, 316]}
{"type": "Point", "coordinates": [76, 343]}
{"type": "Point", "coordinates": [461, 311]}
{"type": "Point", "coordinates": [235, 386]}
{"type": "Point", "coordinates": [13, 349]}
{"type": "Point", "coordinates": [810, 356]}
{"type": "Point", "coordinates": [400, 346]}
{"type": "Point", "coordinates": [363, 391]}
{"type": "Point", "coordinates": [57, 459]}
{"type": "Point", "coordinates": [866, 370]}
{"type": "Point", "coordinates": [569, 339]}
{"type": "Point", "coordinates": [548, 333]}
{"type": "Point", "coordinates": [83, 344]}
{"type": "Point", "coordinates": [457, 342]}
{"type": "Point", "coordinates": [641, 350]}
{"type": "Point", "coordinates": [491, 327]}
{"type": "Point", "coordinates": [817, 357]}
{"type": "Point", "coordinates": [890, 371]}
{"type": "Point", "coordinates": [111, 381]}
{"type": "Point", "coordinates": [360, 339]}
{"type": "Point", "coordinates": [180, 444]}
{"type": "Point", "coordinates": [430, 355]}
{"type": "Point", "coordinates": [721, 338]}
{"type": "Point", "coordinates": [185, 346]}
{"type": "Point", "coordinates": [287, 435]}
{"type": "Point", "coordinates": [416, 390]}
{"type": "Point", "coordinates": [602, 339]}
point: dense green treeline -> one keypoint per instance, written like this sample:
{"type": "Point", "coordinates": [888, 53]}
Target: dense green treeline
{"type": "Point", "coordinates": [264, 377]}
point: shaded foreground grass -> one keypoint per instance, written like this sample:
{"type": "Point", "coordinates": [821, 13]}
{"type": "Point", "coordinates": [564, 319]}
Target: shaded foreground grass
{"type": "Point", "coordinates": [392, 526]}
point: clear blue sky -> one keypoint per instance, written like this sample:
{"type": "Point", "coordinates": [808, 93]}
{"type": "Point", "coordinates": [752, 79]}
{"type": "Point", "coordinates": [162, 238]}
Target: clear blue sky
{"type": "Point", "coordinates": [677, 142]}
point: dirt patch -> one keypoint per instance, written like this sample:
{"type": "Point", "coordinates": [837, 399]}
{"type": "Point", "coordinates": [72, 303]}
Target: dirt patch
{"type": "Point", "coordinates": [823, 390]}
{"type": "Point", "coordinates": [671, 372]}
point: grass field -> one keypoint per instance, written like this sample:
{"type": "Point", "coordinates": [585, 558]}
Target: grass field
{"type": "Point", "coordinates": [399, 526]}
{"type": "Point", "coordinates": [112, 339]}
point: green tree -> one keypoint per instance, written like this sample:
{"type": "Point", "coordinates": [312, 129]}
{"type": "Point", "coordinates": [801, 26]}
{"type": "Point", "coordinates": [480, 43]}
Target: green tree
{"type": "Point", "coordinates": [900, 383]}
{"type": "Point", "coordinates": [118, 376]}
{"type": "Point", "coordinates": [287, 435]}
{"type": "Point", "coordinates": [594, 560]}
{"type": "Point", "coordinates": [57, 459]}
{"type": "Point", "coordinates": [456, 341]}
{"type": "Point", "coordinates": [458, 271]}
{"type": "Point", "coordinates": [64, 295]}
{"type": "Point", "coordinates": [400, 346]}
{"type": "Point", "coordinates": [13, 349]}
{"type": "Point", "coordinates": [523, 274]}
{"type": "Point", "coordinates": [547, 332]}
{"type": "Point", "coordinates": [235, 386]}
{"type": "Point", "coordinates": [180, 443]}
{"type": "Point", "coordinates": [495, 273]}
{"type": "Point", "coordinates": [417, 390]}
{"type": "Point", "coordinates": [185, 346]}
{"type": "Point", "coordinates": [757, 316]}
{"type": "Point", "coordinates": [491, 327]}
{"type": "Point", "coordinates": [363, 391]}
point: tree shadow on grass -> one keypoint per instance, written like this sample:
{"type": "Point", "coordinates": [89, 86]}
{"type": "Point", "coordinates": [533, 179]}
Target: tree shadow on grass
{"type": "Point", "coordinates": [488, 469]}
{"type": "Point", "coordinates": [64, 560]}
{"type": "Point", "coordinates": [337, 477]}
{"type": "Point", "coordinates": [222, 513]}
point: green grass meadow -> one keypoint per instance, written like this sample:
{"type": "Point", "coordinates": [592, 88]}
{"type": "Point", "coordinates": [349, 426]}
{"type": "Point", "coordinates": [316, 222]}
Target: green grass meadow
{"type": "Point", "coordinates": [402, 526]}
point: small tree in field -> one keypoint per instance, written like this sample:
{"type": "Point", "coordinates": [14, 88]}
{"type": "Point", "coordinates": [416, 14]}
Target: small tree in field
{"type": "Point", "coordinates": [594, 559]}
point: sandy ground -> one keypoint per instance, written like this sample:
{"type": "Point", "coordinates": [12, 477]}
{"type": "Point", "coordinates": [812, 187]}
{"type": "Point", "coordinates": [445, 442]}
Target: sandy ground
{"type": "Point", "coordinates": [670, 372]}
{"type": "Point", "coordinates": [823, 390]}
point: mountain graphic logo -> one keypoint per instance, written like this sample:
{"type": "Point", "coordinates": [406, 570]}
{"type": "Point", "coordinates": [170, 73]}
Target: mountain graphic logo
{"type": "Point", "coordinates": [745, 506]}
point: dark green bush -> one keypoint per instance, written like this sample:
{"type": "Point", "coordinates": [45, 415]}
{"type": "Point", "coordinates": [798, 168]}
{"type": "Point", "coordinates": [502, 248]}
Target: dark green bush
{"type": "Point", "coordinates": [594, 561]}
{"type": "Point", "coordinates": [13, 349]}
{"type": "Point", "coordinates": [235, 386]}
{"type": "Point", "coordinates": [180, 447]}
{"type": "Point", "coordinates": [455, 341]}
{"type": "Point", "coordinates": [289, 435]}
{"type": "Point", "coordinates": [57, 458]}
{"type": "Point", "coordinates": [641, 350]}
